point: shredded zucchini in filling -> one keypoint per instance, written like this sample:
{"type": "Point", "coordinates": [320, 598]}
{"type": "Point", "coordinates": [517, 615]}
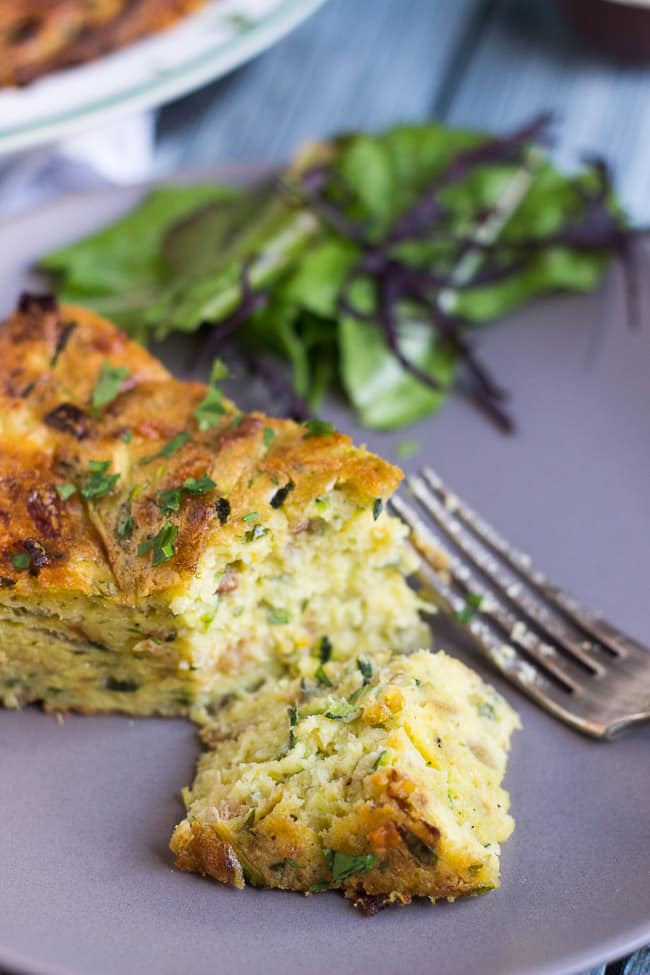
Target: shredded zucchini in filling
{"type": "Point", "coordinates": [380, 775]}
{"type": "Point", "coordinates": [157, 547]}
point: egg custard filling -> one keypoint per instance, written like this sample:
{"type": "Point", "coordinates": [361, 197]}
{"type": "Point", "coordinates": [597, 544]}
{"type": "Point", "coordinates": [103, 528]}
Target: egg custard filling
{"type": "Point", "coordinates": [158, 548]}
{"type": "Point", "coordinates": [380, 776]}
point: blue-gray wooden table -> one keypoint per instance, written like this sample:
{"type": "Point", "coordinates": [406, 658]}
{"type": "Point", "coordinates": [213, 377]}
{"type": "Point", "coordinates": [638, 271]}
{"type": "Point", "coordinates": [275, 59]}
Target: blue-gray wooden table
{"type": "Point", "coordinates": [373, 63]}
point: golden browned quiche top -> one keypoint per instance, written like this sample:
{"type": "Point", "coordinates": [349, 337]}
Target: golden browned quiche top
{"type": "Point", "coordinates": [114, 476]}
{"type": "Point", "coordinates": [41, 36]}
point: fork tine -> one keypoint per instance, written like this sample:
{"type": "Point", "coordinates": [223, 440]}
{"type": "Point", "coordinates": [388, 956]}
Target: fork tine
{"type": "Point", "coordinates": [491, 612]}
{"type": "Point", "coordinates": [503, 580]}
{"type": "Point", "coordinates": [509, 663]}
{"type": "Point", "coordinates": [600, 631]}
{"type": "Point", "coordinates": [550, 695]}
{"type": "Point", "coordinates": [601, 707]}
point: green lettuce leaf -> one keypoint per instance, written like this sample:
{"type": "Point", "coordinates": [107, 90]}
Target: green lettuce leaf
{"type": "Point", "coordinates": [119, 270]}
{"type": "Point", "coordinates": [179, 260]}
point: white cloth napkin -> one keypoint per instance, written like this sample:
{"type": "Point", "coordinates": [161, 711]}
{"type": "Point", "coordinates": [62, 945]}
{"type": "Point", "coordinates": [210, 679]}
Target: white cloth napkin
{"type": "Point", "coordinates": [121, 152]}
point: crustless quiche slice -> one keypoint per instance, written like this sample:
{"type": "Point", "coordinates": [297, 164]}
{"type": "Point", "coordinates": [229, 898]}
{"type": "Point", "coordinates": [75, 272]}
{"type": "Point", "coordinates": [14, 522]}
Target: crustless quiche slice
{"type": "Point", "coordinates": [159, 549]}
{"type": "Point", "coordinates": [380, 776]}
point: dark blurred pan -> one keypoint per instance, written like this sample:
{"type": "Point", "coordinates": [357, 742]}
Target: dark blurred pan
{"type": "Point", "coordinates": [619, 27]}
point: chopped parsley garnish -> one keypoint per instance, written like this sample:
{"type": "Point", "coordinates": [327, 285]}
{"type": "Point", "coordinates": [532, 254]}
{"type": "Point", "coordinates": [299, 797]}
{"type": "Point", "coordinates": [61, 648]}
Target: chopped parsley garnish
{"type": "Point", "coordinates": [210, 410]}
{"type": "Point", "coordinates": [219, 371]}
{"type": "Point", "coordinates": [317, 428]}
{"type": "Point", "coordinates": [125, 526]}
{"type": "Point", "coordinates": [281, 495]}
{"type": "Point", "coordinates": [382, 759]}
{"type": "Point", "coordinates": [278, 615]}
{"type": "Point", "coordinates": [66, 491]}
{"type": "Point", "coordinates": [407, 448]}
{"type": "Point", "coordinates": [259, 531]}
{"type": "Point", "coordinates": [170, 448]}
{"type": "Point", "coordinates": [174, 445]}
{"type": "Point", "coordinates": [292, 711]}
{"type": "Point", "coordinates": [170, 500]}
{"type": "Point", "coordinates": [199, 485]}
{"type": "Point", "coordinates": [162, 544]}
{"type": "Point", "coordinates": [377, 508]}
{"type": "Point", "coordinates": [281, 864]}
{"type": "Point", "coordinates": [236, 420]}
{"type": "Point", "coordinates": [222, 507]}
{"type": "Point", "coordinates": [343, 865]}
{"type": "Point", "coordinates": [127, 436]}
{"type": "Point", "coordinates": [319, 885]}
{"type": "Point", "coordinates": [20, 560]}
{"type": "Point", "coordinates": [325, 649]}
{"type": "Point", "coordinates": [365, 669]}
{"type": "Point", "coordinates": [473, 603]}
{"type": "Point", "coordinates": [251, 516]}
{"type": "Point", "coordinates": [99, 484]}
{"type": "Point", "coordinates": [108, 385]}
{"type": "Point", "coordinates": [322, 677]}
{"type": "Point", "coordinates": [268, 436]}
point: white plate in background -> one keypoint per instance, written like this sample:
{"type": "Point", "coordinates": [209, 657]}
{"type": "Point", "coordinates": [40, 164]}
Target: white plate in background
{"type": "Point", "coordinates": [149, 72]}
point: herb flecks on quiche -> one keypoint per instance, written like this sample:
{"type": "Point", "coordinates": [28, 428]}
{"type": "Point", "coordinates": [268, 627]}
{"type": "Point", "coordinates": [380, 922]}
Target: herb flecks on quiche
{"type": "Point", "coordinates": [157, 547]}
{"type": "Point", "coordinates": [380, 776]}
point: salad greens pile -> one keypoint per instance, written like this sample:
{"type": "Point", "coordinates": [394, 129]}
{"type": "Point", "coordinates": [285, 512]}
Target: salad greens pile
{"type": "Point", "coordinates": [369, 265]}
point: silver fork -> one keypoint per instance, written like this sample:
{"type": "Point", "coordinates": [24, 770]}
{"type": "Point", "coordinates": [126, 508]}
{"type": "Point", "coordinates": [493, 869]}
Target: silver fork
{"type": "Point", "coordinates": [566, 658]}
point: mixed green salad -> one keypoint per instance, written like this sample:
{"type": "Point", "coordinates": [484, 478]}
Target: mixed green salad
{"type": "Point", "coordinates": [370, 264]}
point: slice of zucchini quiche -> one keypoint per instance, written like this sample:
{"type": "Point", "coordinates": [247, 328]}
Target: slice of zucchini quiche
{"type": "Point", "coordinates": [380, 776]}
{"type": "Point", "coordinates": [159, 549]}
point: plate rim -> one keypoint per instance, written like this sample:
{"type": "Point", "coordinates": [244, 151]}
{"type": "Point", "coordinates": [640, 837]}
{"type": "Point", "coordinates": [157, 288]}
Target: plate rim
{"type": "Point", "coordinates": [175, 82]}
{"type": "Point", "coordinates": [579, 963]}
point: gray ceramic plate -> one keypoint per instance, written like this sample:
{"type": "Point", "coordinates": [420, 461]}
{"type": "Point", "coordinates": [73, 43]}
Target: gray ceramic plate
{"type": "Point", "coordinates": [87, 884]}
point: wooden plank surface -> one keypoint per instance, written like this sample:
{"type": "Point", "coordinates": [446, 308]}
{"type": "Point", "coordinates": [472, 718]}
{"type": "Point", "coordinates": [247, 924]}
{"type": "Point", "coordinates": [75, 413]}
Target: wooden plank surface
{"type": "Point", "coordinates": [639, 964]}
{"type": "Point", "coordinates": [355, 63]}
{"type": "Point", "coordinates": [526, 61]}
